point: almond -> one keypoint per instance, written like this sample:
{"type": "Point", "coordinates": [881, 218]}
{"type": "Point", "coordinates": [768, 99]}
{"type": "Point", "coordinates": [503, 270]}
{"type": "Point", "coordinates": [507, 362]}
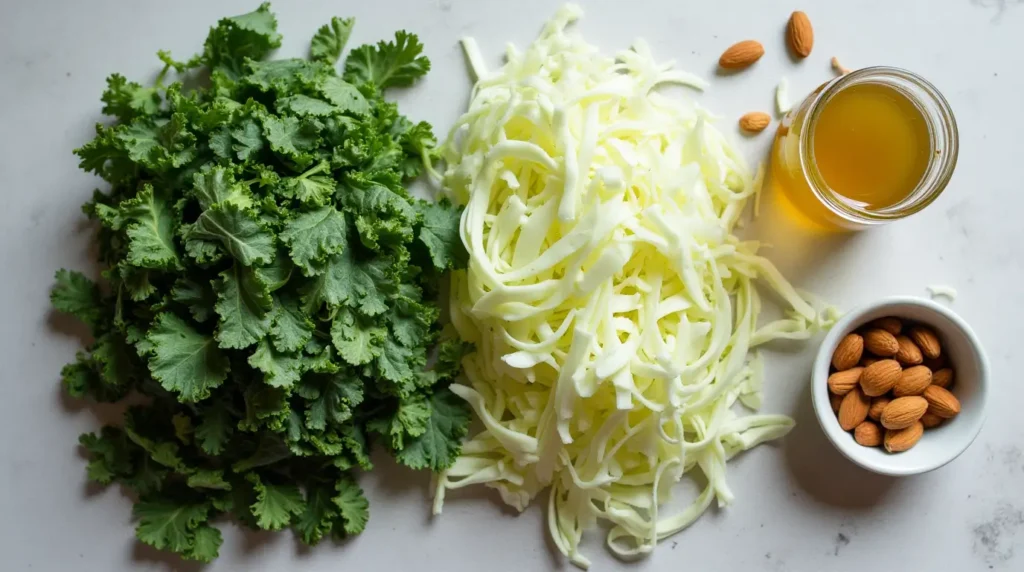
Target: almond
{"type": "Point", "coordinates": [834, 400]}
{"type": "Point", "coordinates": [881, 343]}
{"type": "Point", "coordinates": [741, 55]}
{"type": "Point", "coordinates": [877, 406]}
{"type": "Point", "coordinates": [908, 354]}
{"type": "Point", "coordinates": [841, 382]}
{"type": "Point", "coordinates": [755, 121]}
{"type": "Point", "coordinates": [899, 440]}
{"type": "Point", "coordinates": [799, 34]}
{"type": "Point", "coordinates": [892, 325]}
{"type": "Point", "coordinates": [913, 381]}
{"type": "Point", "coordinates": [943, 378]}
{"type": "Point", "coordinates": [941, 402]}
{"type": "Point", "coordinates": [848, 352]}
{"type": "Point", "coordinates": [903, 412]}
{"type": "Point", "coordinates": [868, 434]}
{"type": "Point", "coordinates": [930, 420]}
{"type": "Point", "coordinates": [853, 409]}
{"type": "Point", "coordinates": [926, 339]}
{"type": "Point", "coordinates": [868, 360]}
{"type": "Point", "coordinates": [879, 377]}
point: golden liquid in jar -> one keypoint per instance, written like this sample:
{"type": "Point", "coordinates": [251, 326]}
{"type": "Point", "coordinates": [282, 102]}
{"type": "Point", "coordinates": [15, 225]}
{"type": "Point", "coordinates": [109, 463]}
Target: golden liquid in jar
{"type": "Point", "coordinates": [871, 146]}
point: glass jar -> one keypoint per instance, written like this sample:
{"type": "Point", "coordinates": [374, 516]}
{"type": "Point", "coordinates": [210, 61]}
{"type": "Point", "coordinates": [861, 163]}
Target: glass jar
{"type": "Point", "coordinates": [797, 178]}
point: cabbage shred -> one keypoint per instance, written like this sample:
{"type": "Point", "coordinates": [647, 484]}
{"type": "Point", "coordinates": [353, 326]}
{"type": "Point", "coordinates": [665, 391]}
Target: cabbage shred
{"type": "Point", "coordinates": [612, 310]}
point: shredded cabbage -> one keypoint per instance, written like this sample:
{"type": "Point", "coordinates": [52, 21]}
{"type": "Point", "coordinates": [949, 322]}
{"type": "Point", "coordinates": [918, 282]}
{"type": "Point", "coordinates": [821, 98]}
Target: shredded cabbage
{"type": "Point", "coordinates": [612, 310]}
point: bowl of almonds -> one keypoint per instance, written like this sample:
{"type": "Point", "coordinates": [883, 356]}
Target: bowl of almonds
{"type": "Point", "coordinates": [900, 385]}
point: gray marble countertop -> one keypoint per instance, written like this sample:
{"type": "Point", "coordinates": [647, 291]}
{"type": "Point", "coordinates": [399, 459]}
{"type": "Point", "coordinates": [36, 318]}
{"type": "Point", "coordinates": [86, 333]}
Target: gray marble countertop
{"type": "Point", "coordinates": [800, 506]}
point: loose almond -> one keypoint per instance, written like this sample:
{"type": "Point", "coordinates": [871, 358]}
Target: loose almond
{"type": "Point", "coordinates": [892, 325]}
{"type": "Point", "coordinates": [853, 409]}
{"type": "Point", "coordinates": [848, 352]}
{"type": "Point", "coordinates": [868, 434]}
{"type": "Point", "coordinates": [900, 440]}
{"type": "Point", "coordinates": [841, 382]}
{"type": "Point", "coordinates": [930, 420]}
{"type": "Point", "coordinates": [834, 400]}
{"type": "Point", "coordinates": [879, 377]}
{"type": "Point", "coordinates": [943, 378]}
{"type": "Point", "coordinates": [913, 381]}
{"type": "Point", "coordinates": [926, 339]}
{"type": "Point", "coordinates": [877, 406]}
{"type": "Point", "coordinates": [800, 34]}
{"type": "Point", "coordinates": [903, 412]}
{"type": "Point", "coordinates": [881, 343]}
{"type": "Point", "coordinates": [941, 402]}
{"type": "Point", "coordinates": [755, 121]}
{"type": "Point", "coordinates": [909, 353]}
{"type": "Point", "coordinates": [741, 54]}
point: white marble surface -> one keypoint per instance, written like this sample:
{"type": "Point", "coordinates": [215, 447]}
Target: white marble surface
{"type": "Point", "coordinates": [800, 506]}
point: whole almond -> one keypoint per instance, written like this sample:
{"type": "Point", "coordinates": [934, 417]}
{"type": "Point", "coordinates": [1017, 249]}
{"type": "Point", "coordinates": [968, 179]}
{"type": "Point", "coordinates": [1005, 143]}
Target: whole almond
{"type": "Point", "coordinates": [848, 352]}
{"type": "Point", "coordinates": [755, 121]}
{"type": "Point", "coordinates": [903, 412]}
{"type": "Point", "coordinates": [941, 402]}
{"type": "Point", "coordinates": [800, 34]}
{"type": "Point", "coordinates": [926, 339]}
{"type": "Point", "coordinates": [877, 406]}
{"type": "Point", "coordinates": [930, 420]}
{"type": "Point", "coordinates": [853, 409]}
{"type": "Point", "coordinates": [879, 377]}
{"type": "Point", "coordinates": [913, 381]}
{"type": "Point", "coordinates": [841, 382]}
{"type": "Point", "coordinates": [881, 343]}
{"type": "Point", "coordinates": [899, 440]}
{"type": "Point", "coordinates": [741, 54]}
{"type": "Point", "coordinates": [909, 353]}
{"type": "Point", "coordinates": [943, 378]}
{"type": "Point", "coordinates": [868, 434]}
{"type": "Point", "coordinates": [892, 325]}
{"type": "Point", "coordinates": [834, 401]}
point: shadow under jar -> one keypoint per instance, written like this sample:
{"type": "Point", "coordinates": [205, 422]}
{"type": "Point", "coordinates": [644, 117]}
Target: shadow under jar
{"type": "Point", "coordinates": [872, 146]}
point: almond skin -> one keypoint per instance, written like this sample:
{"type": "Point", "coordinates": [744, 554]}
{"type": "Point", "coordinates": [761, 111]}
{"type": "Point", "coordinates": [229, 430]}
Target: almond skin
{"type": "Point", "coordinates": [755, 121]}
{"type": "Point", "coordinates": [909, 353]}
{"type": "Point", "coordinates": [877, 406]}
{"type": "Point", "coordinates": [834, 401]}
{"type": "Point", "coordinates": [881, 343]}
{"type": "Point", "coordinates": [868, 360]}
{"type": "Point", "coordinates": [943, 378]}
{"type": "Point", "coordinates": [741, 55]}
{"type": "Point", "coordinates": [903, 412]}
{"type": "Point", "coordinates": [913, 381]}
{"type": "Point", "coordinates": [892, 325]}
{"type": "Point", "coordinates": [848, 352]}
{"type": "Point", "coordinates": [941, 402]}
{"type": "Point", "coordinates": [880, 377]}
{"type": "Point", "coordinates": [930, 420]}
{"type": "Point", "coordinates": [927, 341]}
{"type": "Point", "coordinates": [841, 382]}
{"type": "Point", "coordinates": [868, 434]}
{"type": "Point", "coordinates": [800, 34]}
{"type": "Point", "coordinates": [853, 410]}
{"type": "Point", "coordinates": [900, 440]}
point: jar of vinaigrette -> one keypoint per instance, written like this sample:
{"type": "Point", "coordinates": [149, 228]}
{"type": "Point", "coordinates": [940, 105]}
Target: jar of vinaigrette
{"type": "Point", "coordinates": [866, 148]}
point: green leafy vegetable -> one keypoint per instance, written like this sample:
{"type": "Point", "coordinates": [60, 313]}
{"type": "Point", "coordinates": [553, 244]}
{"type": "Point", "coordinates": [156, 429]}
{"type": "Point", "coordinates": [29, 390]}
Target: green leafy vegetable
{"type": "Point", "coordinates": [270, 287]}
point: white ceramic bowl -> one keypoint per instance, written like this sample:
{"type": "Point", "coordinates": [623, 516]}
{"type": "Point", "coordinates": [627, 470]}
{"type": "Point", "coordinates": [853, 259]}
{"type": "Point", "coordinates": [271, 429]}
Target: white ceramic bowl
{"type": "Point", "coordinates": [939, 445]}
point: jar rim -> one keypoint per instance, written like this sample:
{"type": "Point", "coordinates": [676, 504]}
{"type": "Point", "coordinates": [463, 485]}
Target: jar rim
{"type": "Point", "coordinates": [941, 126]}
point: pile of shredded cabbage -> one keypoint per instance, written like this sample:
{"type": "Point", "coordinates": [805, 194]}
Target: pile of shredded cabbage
{"type": "Point", "coordinates": [612, 309]}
